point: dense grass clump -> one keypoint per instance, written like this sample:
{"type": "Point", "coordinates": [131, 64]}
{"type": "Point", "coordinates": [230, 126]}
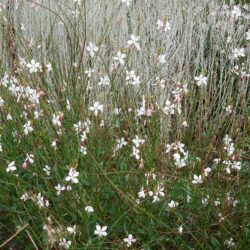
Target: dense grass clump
{"type": "Point", "coordinates": [124, 124]}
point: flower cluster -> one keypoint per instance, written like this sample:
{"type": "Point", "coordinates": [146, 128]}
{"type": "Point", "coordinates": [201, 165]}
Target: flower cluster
{"type": "Point", "coordinates": [180, 156]}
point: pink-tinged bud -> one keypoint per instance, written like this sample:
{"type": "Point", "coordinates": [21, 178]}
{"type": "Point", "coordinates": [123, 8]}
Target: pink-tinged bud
{"type": "Point", "coordinates": [41, 93]}
{"type": "Point", "coordinates": [149, 112]}
{"type": "Point", "coordinates": [61, 115]}
{"type": "Point", "coordinates": [33, 105]}
{"type": "Point", "coordinates": [25, 165]}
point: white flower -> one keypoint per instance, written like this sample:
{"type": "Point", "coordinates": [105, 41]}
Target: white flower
{"type": "Point", "coordinates": [1, 102]}
{"type": "Point", "coordinates": [22, 26]}
{"type": "Point", "coordinates": [56, 120]}
{"type": "Point", "coordinates": [167, 26]}
{"type": "Point", "coordinates": [169, 108]}
{"type": "Point", "coordinates": [9, 117]}
{"type": "Point", "coordinates": [40, 200]}
{"type": "Point", "coordinates": [68, 106]}
{"type": "Point", "coordinates": [65, 243]}
{"type": "Point", "coordinates": [159, 192]}
{"type": "Point", "coordinates": [47, 169]}
{"type": "Point", "coordinates": [238, 52]}
{"type": "Point", "coordinates": [141, 194]}
{"type": "Point", "coordinates": [162, 59]}
{"type": "Point", "coordinates": [205, 200]}
{"type": "Point", "coordinates": [173, 204]}
{"type": "Point", "coordinates": [137, 141]}
{"type": "Point", "coordinates": [180, 229]}
{"type": "Point", "coordinates": [83, 150]}
{"type": "Point", "coordinates": [185, 124]}
{"type": "Point", "coordinates": [161, 26]}
{"type": "Point", "coordinates": [132, 78]}
{"type": "Point", "coordinates": [217, 202]}
{"type": "Point", "coordinates": [117, 111]}
{"type": "Point", "coordinates": [27, 128]}
{"type": "Point", "coordinates": [92, 49]}
{"type": "Point", "coordinates": [207, 171]}
{"type": "Point", "coordinates": [134, 42]}
{"type": "Point", "coordinates": [11, 167]}
{"type": "Point", "coordinates": [89, 209]}
{"type": "Point", "coordinates": [197, 179]}
{"type": "Point", "coordinates": [33, 66]}
{"type": "Point", "coordinates": [59, 189]}
{"type": "Point", "coordinates": [102, 123]}
{"type": "Point", "coordinates": [77, 1]}
{"type": "Point", "coordinates": [104, 81]}
{"type": "Point", "coordinates": [229, 145]}
{"type": "Point", "coordinates": [120, 57]}
{"type": "Point", "coordinates": [71, 230]}
{"type": "Point", "coordinates": [72, 176]}
{"type": "Point", "coordinates": [201, 80]}
{"type": "Point", "coordinates": [160, 83]}
{"type": "Point", "coordinates": [130, 240]}
{"type": "Point", "coordinates": [120, 143]}
{"type": "Point", "coordinates": [236, 165]}
{"type": "Point", "coordinates": [136, 153]}
{"type": "Point", "coordinates": [24, 197]}
{"type": "Point", "coordinates": [49, 67]}
{"type": "Point", "coordinates": [53, 144]}
{"type": "Point", "coordinates": [89, 72]}
{"type": "Point", "coordinates": [248, 35]}
{"type": "Point", "coordinates": [236, 12]}
{"type": "Point", "coordinates": [127, 2]}
{"type": "Point", "coordinates": [189, 198]}
{"type": "Point", "coordinates": [180, 162]}
{"type": "Point", "coordinates": [100, 231]}
{"type": "Point", "coordinates": [38, 113]}
{"type": "Point", "coordinates": [29, 158]}
{"type": "Point", "coordinates": [229, 243]}
{"type": "Point", "coordinates": [216, 161]}
{"type": "Point", "coordinates": [96, 108]}
{"type": "Point", "coordinates": [229, 109]}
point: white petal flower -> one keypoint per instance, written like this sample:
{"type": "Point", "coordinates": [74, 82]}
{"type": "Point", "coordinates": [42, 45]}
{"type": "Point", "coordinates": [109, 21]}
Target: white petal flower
{"type": "Point", "coordinates": [141, 194]}
{"type": "Point", "coordinates": [180, 230]}
{"type": "Point", "coordinates": [127, 2]}
{"type": "Point", "coordinates": [1, 101]}
{"type": "Point", "coordinates": [201, 80]}
{"type": "Point", "coordinates": [11, 167]}
{"type": "Point", "coordinates": [248, 35]}
{"type": "Point", "coordinates": [238, 52]}
{"type": "Point", "coordinates": [71, 230]}
{"type": "Point", "coordinates": [92, 49]}
{"type": "Point", "coordinates": [59, 189]}
{"type": "Point", "coordinates": [130, 240]}
{"type": "Point", "coordinates": [72, 176]}
{"type": "Point", "coordinates": [89, 209]}
{"type": "Point", "coordinates": [33, 66]}
{"type": "Point", "coordinates": [173, 204]}
{"type": "Point", "coordinates": [120, 57]}
{"type": "Point", "coordinates": [162, 59]}
{"type": "Point", "coordinates": [134, 42]}
{"type": "Point", "coordinates": [101, 231]}
{"type": "Point", "coordinates": [96, 108]}
{"type": "Point", "coordinates": [27, 128]}
{"type": "Point", "coordinates": [197, 179]}
{"type": "Point", "coordinates": [65, 243]}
